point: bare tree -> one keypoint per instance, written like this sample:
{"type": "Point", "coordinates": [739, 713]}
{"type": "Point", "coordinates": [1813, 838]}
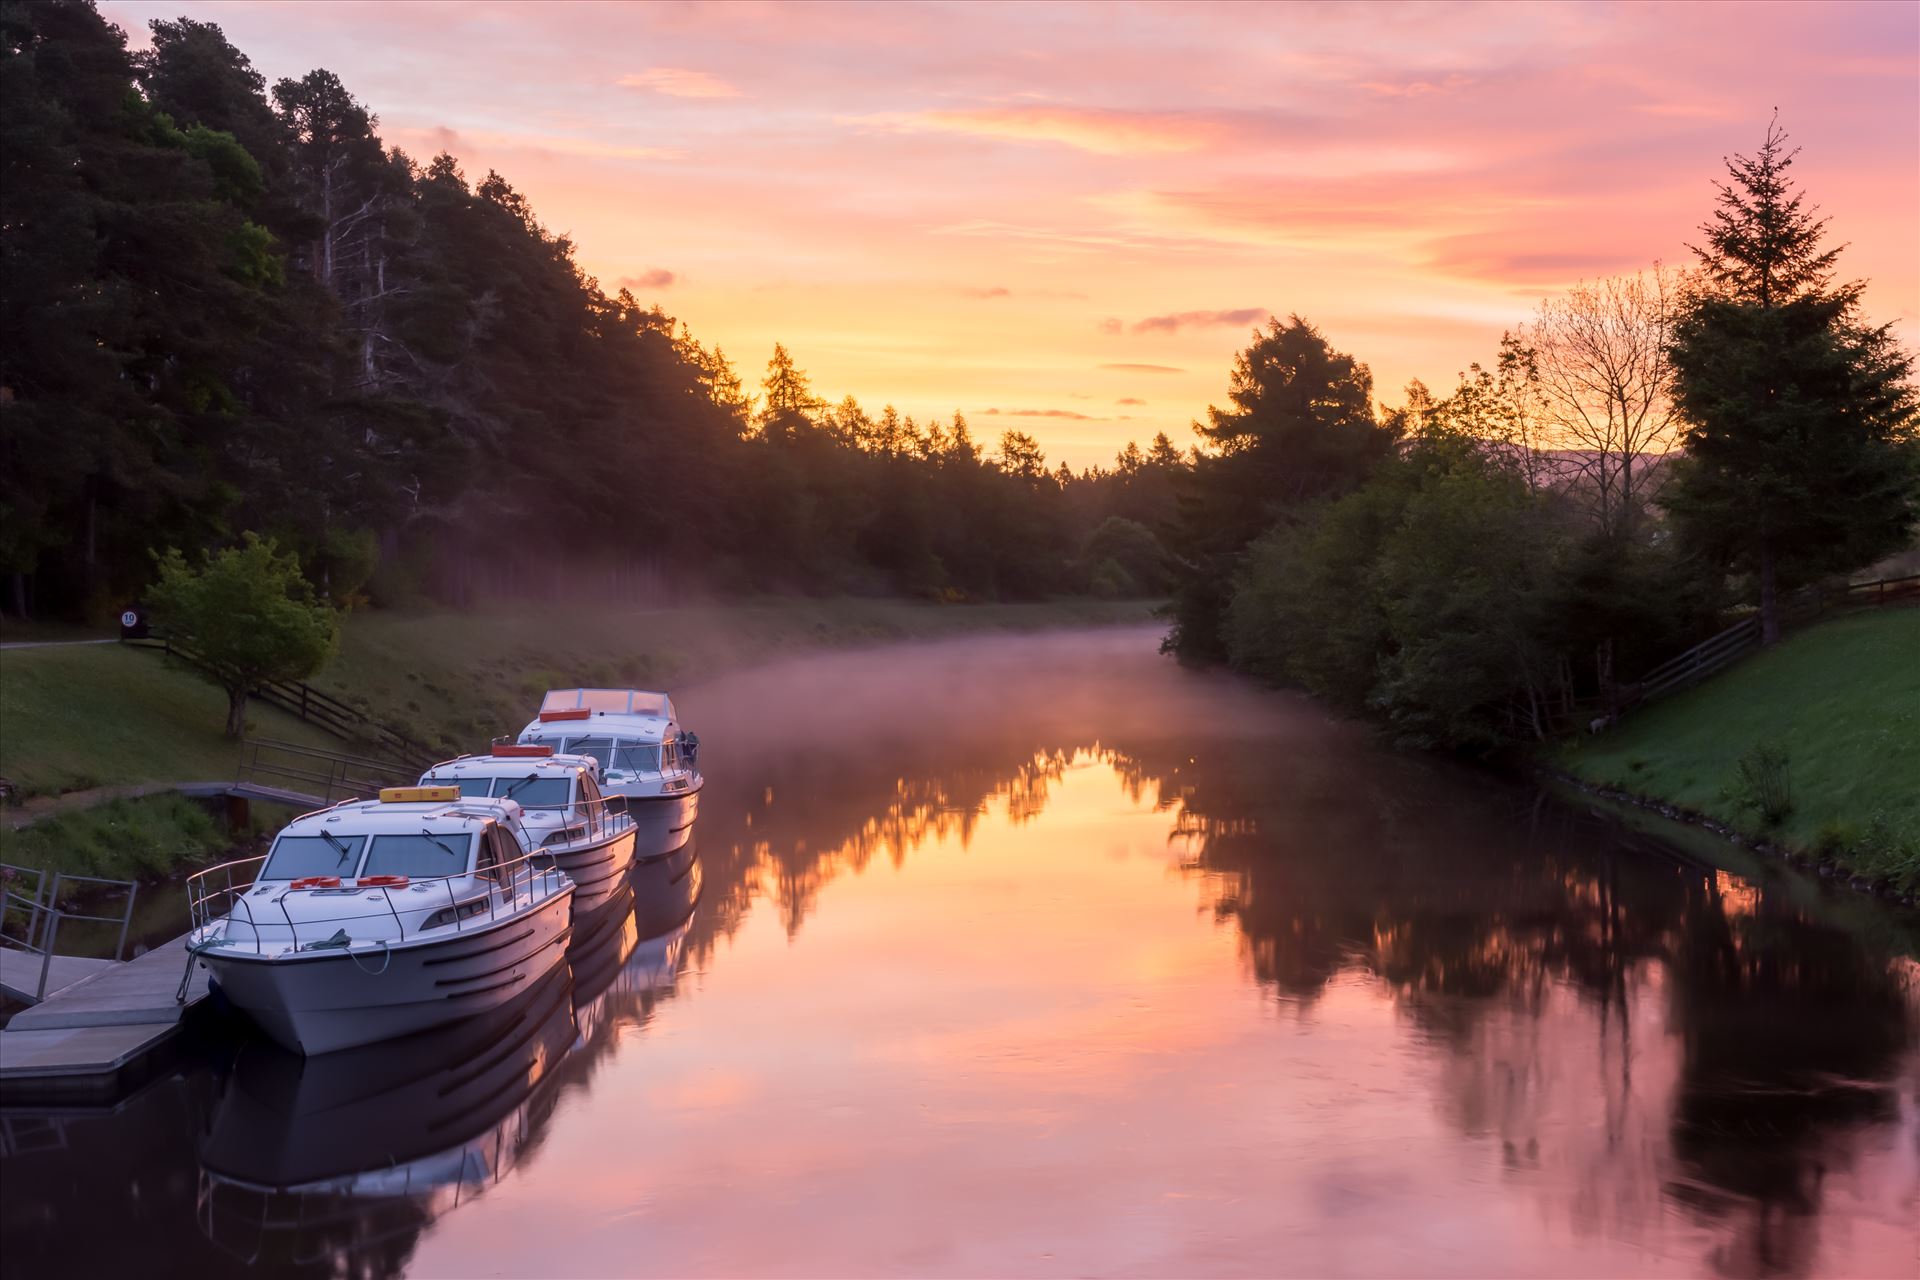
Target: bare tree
{"type": "Point", "coordinates": [1600, 351]}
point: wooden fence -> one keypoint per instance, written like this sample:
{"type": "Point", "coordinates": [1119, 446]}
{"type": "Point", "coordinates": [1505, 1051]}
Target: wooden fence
{"type": "Point", "coordinates": [319, 709]}
{"type": "Point", "coordinates": [1718, 652]}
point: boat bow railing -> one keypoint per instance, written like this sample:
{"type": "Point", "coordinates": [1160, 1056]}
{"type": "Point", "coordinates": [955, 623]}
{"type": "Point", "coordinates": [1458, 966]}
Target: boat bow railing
{"type": "Point", "coordinates": [226, 893]}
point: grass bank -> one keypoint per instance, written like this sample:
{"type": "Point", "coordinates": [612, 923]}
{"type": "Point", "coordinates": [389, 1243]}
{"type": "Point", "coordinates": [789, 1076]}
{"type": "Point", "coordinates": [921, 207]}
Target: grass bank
{"type": "Point", "coordinates": [107, 715]}
{"type": "Point", "coordinates": [1839, 702]}
{"type": "Point", "coordinates": [137, 838]}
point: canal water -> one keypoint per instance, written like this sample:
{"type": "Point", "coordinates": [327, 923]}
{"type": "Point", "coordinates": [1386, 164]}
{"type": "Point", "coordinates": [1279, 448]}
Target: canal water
{"type": "Point", "coordinates": [1040, 956]}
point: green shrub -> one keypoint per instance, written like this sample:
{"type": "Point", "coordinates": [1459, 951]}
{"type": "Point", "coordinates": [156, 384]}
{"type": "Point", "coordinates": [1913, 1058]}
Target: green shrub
{"type": "Point", "coordinates": [1762, 783]}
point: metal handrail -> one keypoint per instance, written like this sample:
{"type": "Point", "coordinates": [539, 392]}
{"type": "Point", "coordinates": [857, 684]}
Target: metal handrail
{"type": "Point", "coordinates": [45, 916]}
{"type": "Point", "coordinates": [208, 903]}
{"type": "Point", "coordinates": [599, 819]}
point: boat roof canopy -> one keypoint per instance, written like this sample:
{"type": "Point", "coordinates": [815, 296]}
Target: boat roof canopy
{"type": "Point", "coordinates": [434, 817]}
{"type": "Point", "coordinates": [552, 766]}
{"type": "Point", "coordinates": [619, 702]}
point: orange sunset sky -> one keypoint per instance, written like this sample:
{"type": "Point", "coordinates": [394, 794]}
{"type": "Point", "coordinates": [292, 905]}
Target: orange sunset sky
{"type": "Point", "coordinates": [1066, 219]}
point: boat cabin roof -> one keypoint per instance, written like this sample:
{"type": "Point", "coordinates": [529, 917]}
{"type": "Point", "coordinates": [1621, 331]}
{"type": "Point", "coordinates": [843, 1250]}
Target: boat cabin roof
{"type": "Point", "coordinates": [644, 703]}
{"type": "Point", "coordinates": [511, 767]}
{"type": "Point", "coordinates": [377, 817]}
{"type": "Point", "coordinates": [603, 724]}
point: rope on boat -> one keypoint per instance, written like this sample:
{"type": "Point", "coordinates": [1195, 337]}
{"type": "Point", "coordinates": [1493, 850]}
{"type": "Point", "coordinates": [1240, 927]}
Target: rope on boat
{"type": "Point", "coordinates": [386, 959]}
{"type": "Point", "coordinates": [193, 953]}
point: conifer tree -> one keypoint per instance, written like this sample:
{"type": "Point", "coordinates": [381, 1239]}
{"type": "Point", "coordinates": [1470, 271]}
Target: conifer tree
{"type": "Point", "coordinates": [1800, 450]}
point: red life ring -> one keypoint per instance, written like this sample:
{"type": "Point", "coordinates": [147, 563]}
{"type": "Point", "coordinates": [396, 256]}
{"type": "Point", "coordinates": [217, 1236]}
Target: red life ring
{"type": "Point", "coordinates": [382, 882]}
{"type": "Point", "coordinates": [317, 882]}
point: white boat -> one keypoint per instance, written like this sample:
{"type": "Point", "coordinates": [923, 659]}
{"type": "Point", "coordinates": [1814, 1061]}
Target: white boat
{"type": "Point", "coordinates": [379, 918]}
{"type": "Point", "coordinates": [562, 811]}
{"type": "Point", "coordinates": [643, 754]}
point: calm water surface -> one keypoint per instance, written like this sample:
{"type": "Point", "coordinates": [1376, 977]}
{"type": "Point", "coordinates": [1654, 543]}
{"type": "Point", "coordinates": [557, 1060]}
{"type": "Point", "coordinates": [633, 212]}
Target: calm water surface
{"type": "Point", "coordinates": [1042, 957]}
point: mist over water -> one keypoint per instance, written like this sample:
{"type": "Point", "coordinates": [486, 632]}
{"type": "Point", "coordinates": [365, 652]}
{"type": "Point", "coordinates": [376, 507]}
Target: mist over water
{"type": "Point", "coordinates": [1040, 956]}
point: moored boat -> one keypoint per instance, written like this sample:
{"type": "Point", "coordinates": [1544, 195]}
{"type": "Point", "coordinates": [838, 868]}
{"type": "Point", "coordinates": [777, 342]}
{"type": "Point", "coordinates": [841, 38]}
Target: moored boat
{"type": "Point", "coordinates": [562, 811]}
{"type": "Point", "coordinates": [643, 752]}
{"type": "Point", "coordinates": [378, 918]}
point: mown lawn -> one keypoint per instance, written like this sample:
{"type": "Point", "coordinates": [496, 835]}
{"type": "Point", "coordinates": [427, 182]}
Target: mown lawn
{"type": "Point", "coordinates": [1843, 700]}
{"type": "Point", "coordinates": [99, 715]}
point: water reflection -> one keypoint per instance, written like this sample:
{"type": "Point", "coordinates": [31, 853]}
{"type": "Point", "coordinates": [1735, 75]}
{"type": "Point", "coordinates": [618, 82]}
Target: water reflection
{"type": "Point", "coordinates": [1042, 957]}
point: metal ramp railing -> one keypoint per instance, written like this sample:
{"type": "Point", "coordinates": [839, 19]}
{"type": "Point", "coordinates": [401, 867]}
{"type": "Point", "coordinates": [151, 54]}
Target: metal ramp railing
{"type": "Point", "coordinates": [327, 775]}
{"type": "Point", "coordinates": [30, 959]}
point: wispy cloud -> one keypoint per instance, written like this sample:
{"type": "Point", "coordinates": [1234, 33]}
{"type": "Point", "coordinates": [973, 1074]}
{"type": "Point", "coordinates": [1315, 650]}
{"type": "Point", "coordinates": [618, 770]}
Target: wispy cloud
{"type": "Point", "coordinates": [1102, 131]}
{"type": "Point", "coordinates": [657, 278]}
{"type": "Point", "coordinates": [1130, 400]}
{"type": "Point", "coordinates": [679, 82]}
{"type": "Point", "coordinates": [1039, 413]}
{"type": "Point", "coordinates": [1199, 319]}
{"type": "Point", "coordinates": [992, 291]}
{"type": "Point", "coordinates": [1142, 368]}
{"type": "Point", "coordinates": [463, 141]}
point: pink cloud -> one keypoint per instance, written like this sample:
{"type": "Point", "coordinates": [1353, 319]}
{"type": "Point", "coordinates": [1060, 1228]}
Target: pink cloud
{"type": "Point", "coordinates": [1196, 319]}
{"type": "Point", "coordinates": [679, 82]}
{"type": "Point", "coordinates": [1102, 131]}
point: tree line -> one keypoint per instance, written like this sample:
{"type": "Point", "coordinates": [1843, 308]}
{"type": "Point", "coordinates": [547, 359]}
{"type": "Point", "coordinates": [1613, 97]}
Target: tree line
{"type": "Point", "coordinates": [1648, 451]}
{"type": "Point", "coordinates": [231, 308]}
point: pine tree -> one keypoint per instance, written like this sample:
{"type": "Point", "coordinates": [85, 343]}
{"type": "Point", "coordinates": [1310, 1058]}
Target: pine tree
{"type": "Point", "coordinates": [1800, 451]}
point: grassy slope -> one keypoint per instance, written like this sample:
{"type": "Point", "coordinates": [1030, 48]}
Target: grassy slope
{"type": "Point", "coordinates": [95, 715]}
{"type": "Point", "coordinates": [458, 679]}
{"type": "Point", "coordinates": [1842, 697]}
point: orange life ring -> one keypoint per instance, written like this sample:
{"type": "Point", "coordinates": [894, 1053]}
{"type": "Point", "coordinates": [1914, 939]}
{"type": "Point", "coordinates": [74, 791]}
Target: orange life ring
{"type": "Point", "coordinates": [382, 882]}
{"type": "Point", "coordinates": [317, 882]}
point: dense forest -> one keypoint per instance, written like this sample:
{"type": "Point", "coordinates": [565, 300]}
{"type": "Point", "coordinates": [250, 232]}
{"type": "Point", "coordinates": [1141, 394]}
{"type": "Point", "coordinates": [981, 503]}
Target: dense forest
{"type": "Point", "coordinates": [229, 307]}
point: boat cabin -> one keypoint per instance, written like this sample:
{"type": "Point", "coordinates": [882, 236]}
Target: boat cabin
{"type": "Point", "coordinates": [558, 794]}
{"type": "Point", "coordinates": [630, 733]}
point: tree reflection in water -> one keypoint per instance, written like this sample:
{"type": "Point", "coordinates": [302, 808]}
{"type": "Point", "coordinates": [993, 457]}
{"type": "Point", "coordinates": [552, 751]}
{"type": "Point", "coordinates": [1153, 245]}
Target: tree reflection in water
{"type": "Point", "coordinates": [1500, 928]}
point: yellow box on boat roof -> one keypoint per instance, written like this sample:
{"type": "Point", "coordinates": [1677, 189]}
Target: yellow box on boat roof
{"type": "Point", "coordinates": [417, 795]}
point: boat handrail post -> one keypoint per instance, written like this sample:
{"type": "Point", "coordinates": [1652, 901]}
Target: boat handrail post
{"type": "Point", "coordinates": [398, 923]}
{"type": "Point", "coordinates": [53, 932]}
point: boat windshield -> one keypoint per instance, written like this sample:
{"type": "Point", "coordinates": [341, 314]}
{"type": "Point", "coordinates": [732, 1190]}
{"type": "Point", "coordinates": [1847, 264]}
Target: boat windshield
{"type": "Point", "coordinates": [421, 856]}
{"type": "Point", "coordinates": [601, 749]}
{"type": "Point", "coordinates": [535, 792]}
{"type": "Point", "coordinates": [640, 757]}
{"type": "Point", "coordinates": [322, 855]}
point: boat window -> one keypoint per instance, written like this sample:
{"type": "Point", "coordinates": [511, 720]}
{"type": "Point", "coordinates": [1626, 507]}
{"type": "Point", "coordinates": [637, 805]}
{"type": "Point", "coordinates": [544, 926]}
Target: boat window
{"type": "Point", "coordinates": [614, 700]}
{"type": "Point", "coordinates": [639, 757]}
{"type": "Point", "coordinates": [420, 856]}
{"type": "Point", "coordinates": [327, 855]}
{"type": "Point", "coordinates": [535, 792]}
{"type": "Point", "coordinates": [670, 756]}
{"type": "Point", "coordinates": [488, 864]}
{"type": "Point", "coordinates": [652, 704]}
{"type": "Point", "coordinates": [601, 749]}
{"type": "Point", "coordinates": [589, 790]}
{"type": "Point", "coordinates": [560, 699]}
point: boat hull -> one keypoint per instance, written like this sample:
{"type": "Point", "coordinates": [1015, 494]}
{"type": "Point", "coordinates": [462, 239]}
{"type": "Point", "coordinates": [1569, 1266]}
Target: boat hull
{"type": "Point", "coordinates": [663, 824]}
{"type": "Point", "coordinates": [313, 1003]}
{"type": "Point", "coordinates": [597, 870]}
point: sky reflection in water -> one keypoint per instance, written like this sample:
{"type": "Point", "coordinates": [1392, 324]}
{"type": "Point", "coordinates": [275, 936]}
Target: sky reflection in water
{"type": "Point", "coordinates": [1043, 957]}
